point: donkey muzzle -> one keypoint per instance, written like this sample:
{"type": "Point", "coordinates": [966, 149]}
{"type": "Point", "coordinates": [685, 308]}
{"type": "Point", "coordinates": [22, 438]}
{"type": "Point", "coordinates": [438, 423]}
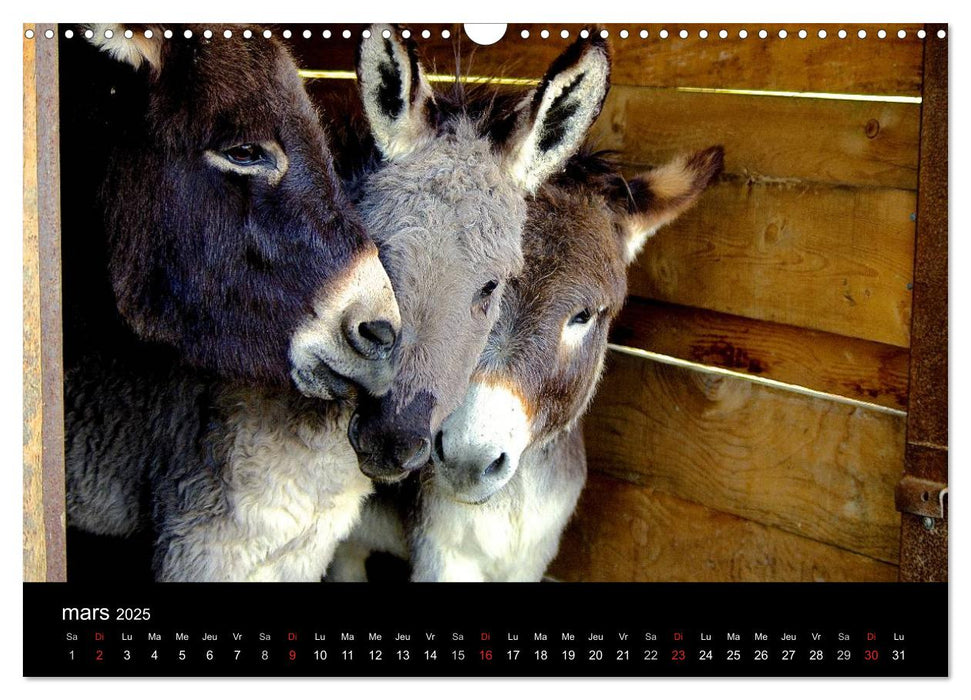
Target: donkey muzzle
{"type": "Point", "coordinates": [391, 441]}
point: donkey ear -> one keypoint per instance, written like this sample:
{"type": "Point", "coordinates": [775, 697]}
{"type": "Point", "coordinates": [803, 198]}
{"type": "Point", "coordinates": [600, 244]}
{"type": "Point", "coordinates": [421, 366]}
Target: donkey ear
{"type": "Point", "coordinates": [394, 90]}
{"type": "Point", "coordinates": [554, 121]}
{"type": "Point", "coordinates": [135, 51]}
{"type": "Point", "coordinates": [659, 196]}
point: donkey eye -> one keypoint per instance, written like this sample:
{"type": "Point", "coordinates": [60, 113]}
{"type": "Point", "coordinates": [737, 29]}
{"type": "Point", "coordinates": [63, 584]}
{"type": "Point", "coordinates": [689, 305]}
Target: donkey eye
{"type": "Point", "coordinates": [581, 318]}
{"type": "Point", "coordinates": [488, 289]}
{"type": "Point", "coordinates": [245, 154]}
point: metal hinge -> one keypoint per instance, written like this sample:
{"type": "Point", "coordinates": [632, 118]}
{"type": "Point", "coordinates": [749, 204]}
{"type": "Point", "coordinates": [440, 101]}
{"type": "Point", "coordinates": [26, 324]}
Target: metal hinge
{"type": "Point", "coordinates": [920, 497]}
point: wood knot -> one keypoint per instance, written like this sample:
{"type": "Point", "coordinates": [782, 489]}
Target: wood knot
{"type": "Point", "coordinates": [872, 129]}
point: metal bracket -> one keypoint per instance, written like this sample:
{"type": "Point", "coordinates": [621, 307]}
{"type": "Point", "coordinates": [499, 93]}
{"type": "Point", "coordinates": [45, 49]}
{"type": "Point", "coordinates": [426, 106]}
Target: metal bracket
{"type": "Point", "coordinates": [920, 497]}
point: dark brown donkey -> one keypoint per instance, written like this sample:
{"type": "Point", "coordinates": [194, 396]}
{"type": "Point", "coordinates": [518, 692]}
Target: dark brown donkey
{"type": "Point", "coordinates": [205, 230]}
{"type": "Point", "coordinates": [509, 464]}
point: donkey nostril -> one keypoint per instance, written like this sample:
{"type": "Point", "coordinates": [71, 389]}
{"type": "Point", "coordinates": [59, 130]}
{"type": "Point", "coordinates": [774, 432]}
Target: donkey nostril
{"type": "Point", "coordinates": [371, 339]}
{"type": "Point", "coordinates": [413, 455]}
{"type": "Point", "coordinates": [439, 449]}
{"type": "Point", "coordinates": [378, 333]}
{"type": "Point", "coordinates": [354, 432]}
{"type": "Point", "coordinates": [495, 467]}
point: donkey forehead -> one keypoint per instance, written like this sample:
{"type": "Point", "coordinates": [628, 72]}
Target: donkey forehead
{"type": "Point", "coordinates": [236, 86]}
{"type": "Point", "coordinates": [438, 207]}
{"type": "Point", "coordinates": [452, 167]}
{"type": "Point", "coordinates": [573, 250]}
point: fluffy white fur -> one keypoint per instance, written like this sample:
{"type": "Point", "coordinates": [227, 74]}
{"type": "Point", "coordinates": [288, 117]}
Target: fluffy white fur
{"type": "Point", "coordinates": [291, 490]}
{"type": "Point", "coordinates": [513, 536]}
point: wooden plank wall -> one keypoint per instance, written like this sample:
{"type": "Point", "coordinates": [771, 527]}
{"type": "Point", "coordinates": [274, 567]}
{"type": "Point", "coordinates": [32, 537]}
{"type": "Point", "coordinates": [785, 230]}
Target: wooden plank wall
{"type": "Point", "coordinates": [795, 271]}
{"type": "Point", "coordinates": [44, 556]}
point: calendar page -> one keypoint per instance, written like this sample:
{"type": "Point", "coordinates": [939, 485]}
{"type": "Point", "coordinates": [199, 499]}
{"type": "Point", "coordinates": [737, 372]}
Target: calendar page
{"type": "Point", "coordinates": [362, 350]}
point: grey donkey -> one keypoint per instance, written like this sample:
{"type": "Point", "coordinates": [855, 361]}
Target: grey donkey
{"type": "Point", "coordinates": [509, 464]}
{"type": "Point", "coordinates": [277, 484]}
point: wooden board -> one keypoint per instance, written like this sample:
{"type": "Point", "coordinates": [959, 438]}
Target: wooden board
{"type": "Point", "coordinates": [623, 532]}
{"type": "Point", "coordinates": [834, 259]}
{"type": "Point", "coordinates": [813, 467]}
{"type": "Point", "coordinates": [44, 507]}
{"type": "Point", "coordinates": [35, 562]}
{"type": "Point", "coordinates": [889, 66]}
{"type": "Point", "coordinates": [833, 364]}
{"type": "Point", "coordinates": [833, 141]}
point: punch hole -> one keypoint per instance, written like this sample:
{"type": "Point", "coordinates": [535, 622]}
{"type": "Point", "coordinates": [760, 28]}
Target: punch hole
{"type": "Point", "coordinates": [604, 33]}
{"type": "Point", "coordinates": [624, 34]}
{"type": "Point", "coordinates": [545, 34]}
{"type": "Point", "coordinates": [683, 34]}
{"type": "Point", "coordinates": [109, 33]}
{"type": "Point", "coordinates": [941, 33]}
{"type": "Point", "coordinates": [287, 34]}
{"type": "Point", "coordinates": [901, 34]}
{"type": "Point", "coordinates": [723, 34]}
{"type": "Point", "coordinates": [742, 34]}
{"type": "Point", "coordinates": [565, 34]}
{"type": "Point", "coordinates": [703, 33]}
{"type": "Point", "coordinates": [783, 33]}
{"type": "Point", "coordinates": [405, 33]}
{"type": "Point", "coordinates": [763, 34]}
{"type": "Point", "coordinates": [267, 33]}
{"type": "Point", "coordinates": [187, 33]}
{"type": "Point", "coordinates": [584, 33]}
{"type": "Point", "coordinates": [525, 34]}
{"type": "Point", "coordinates": [485, 34]}
{"type": "Point", "coordinates": [247, 34]}
{"type": "Point", "coordinates": [366, 33]}
{"type": "Point", "coordinates": [882, 34]}
{"type": "Point", "coordinates": [386, 33]}
{"type": "Point", "coordinates": [149, 33]}
{"type": "Point", "coordinates": [643, 34]}
{"type": "Point", "coordinates": [803, 34]}
{"type": "Point", "coordinates": [49, 33]}
{"type": "Point", "coordinates": [29, 34]}
{"type": "Point", "coordinates": [425, 34]}
{"type": "Point", "coordinates": [346, 34]}
{"type": "Point", "coordinates": [69, 34]}
{"type": "Point", "coordinates": [88, 34]}
{"type": "Point", "coordinates": [841, 33]}
{"type": "Point", "coordinates": [663, 34]}
{"type": "Point", "coordinates": [861, 33]}
{"type": "Point", "coordinates": [821, 33]}
{"type": "Point", "coordinates": [167, 33]}
{"type": "Point", "coordinates": [326, 34]}
{"type": "Point", "coordinates": [207, 34]}
{"type": "Point", "coordinates": [129, 33]}
{"type": "Point", "coordinates": [226, 34]}
{"type": "Point", "coordinates": [446, 34]}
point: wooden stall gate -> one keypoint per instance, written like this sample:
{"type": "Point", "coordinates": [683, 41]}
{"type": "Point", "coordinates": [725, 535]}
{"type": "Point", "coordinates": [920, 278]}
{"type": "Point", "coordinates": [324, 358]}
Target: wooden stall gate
{"type": "Point", "coordinates": [753, 423]}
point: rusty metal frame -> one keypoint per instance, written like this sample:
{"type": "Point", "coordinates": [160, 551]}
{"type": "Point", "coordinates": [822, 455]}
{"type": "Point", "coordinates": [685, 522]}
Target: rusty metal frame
{"type": "Point", "coordinates": [923, 536]}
